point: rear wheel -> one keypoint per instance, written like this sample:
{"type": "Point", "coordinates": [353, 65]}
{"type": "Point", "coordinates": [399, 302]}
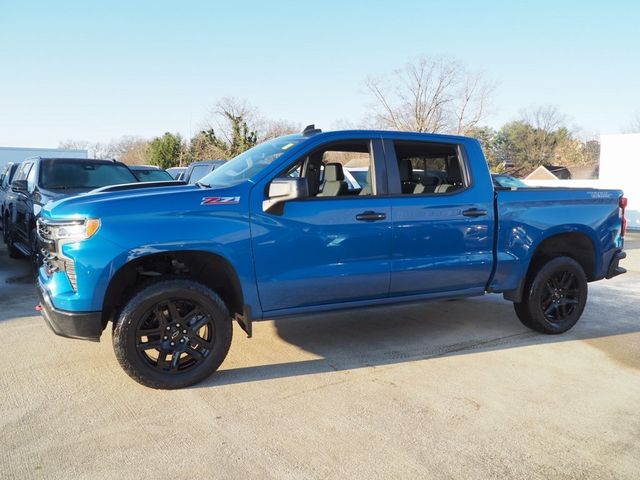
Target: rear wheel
{"type": "Point", "coordinates": [172, 334]}
{"type": "Point", "coordinates": [554, 297]}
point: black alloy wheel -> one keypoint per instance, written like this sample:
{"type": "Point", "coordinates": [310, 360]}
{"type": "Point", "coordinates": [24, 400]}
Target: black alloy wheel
{"type": "Point", "coordinates": [554, 296]}
{"type": "Point", "coordinates": [175, 335]}
{"type": "Point", "coordinates": [172, 333]}
{"type": "Point", "coordinates": [561, 296]}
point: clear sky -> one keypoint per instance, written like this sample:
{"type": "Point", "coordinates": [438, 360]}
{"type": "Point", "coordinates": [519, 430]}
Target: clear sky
{"type": "Point", "coordinates": [93, 71]}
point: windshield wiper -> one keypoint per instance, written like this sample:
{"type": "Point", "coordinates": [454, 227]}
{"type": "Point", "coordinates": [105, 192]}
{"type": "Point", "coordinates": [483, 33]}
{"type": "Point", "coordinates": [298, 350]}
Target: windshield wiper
{"type": "Point", "coordinates": [203, 185]}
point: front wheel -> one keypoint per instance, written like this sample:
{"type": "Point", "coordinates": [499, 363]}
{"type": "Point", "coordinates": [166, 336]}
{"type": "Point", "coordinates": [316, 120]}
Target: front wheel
{"type": "Point", "coordinates": [172, 334]}
{"type": "Point", "coordinates": [554, 297]}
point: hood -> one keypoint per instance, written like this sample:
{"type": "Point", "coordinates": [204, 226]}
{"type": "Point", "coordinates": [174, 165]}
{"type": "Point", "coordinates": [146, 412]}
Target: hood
{"type": "Point", "coordinates": [58, 193]}
{"type": "Point", "coordinates": [138, 199]}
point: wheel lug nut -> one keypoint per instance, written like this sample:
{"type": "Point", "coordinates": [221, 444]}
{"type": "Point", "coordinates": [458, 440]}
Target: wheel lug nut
{"type": "Point", "coordinates": [184, 331]}
{"type": "Point", "coordinates": [168, 328]}
{"type": "Point", "coordinates": [182, 340]}
{"type": "Point", "coordinates": [178, 325]}
{"type": "Point", "coordinates": [165, 337]}
{"type": "Point", "coordinates": [173, 344]}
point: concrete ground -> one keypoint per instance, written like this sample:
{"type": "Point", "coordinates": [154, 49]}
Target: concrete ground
{"type": "Point", "coordinates": [456, 389]}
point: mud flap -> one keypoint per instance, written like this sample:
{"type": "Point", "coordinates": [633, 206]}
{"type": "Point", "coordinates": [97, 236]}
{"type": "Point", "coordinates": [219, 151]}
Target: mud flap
{"type": "Point", "coordinates": [245, 320]}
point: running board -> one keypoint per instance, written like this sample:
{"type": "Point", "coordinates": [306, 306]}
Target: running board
{"type": "Point", "coordinates": [24, 249]}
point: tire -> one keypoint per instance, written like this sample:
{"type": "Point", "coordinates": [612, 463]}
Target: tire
{"type": "Point", "coordinates": [172, 333]}
{"type": "Point", "coordinates": [554, 297]}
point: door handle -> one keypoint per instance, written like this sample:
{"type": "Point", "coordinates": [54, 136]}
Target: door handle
{"type": "Point", "coordinates": [474, 212]}
{"type": "Point", "coordinates": [370, 216]}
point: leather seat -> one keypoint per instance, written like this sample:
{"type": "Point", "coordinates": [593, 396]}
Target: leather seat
{"type": "Point", "coordinates": [406, 176]}
{"type": "Point", "coordinates": [334, 183]}
{"type": "Point", "coordinates": [367, 189]}
{"type": "Point", "coordinates": [428, 185]}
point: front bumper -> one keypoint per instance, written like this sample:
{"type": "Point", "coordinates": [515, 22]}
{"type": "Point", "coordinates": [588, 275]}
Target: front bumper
{"type": "Point", "coordinates": [614, 267]}
{"type": "Point", "coordinates": [80, 325]}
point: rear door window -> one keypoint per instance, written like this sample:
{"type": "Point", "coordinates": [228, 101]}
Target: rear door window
{"type": "Point", "coordinates": [430, 168]}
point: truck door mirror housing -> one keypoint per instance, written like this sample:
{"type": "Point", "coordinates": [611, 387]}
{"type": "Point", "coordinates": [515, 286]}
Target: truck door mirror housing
{"type": "Point", "coordinates": [19, 186]}
{"type": "Point", "coordinates": [284, 189]}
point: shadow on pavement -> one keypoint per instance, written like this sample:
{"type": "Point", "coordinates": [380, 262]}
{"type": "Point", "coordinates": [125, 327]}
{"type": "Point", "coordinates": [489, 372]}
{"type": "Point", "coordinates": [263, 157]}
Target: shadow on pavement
{"type": "Point", "coordinates": [17, 288]}
{"type": "Point", "coordinates": [392, 335]}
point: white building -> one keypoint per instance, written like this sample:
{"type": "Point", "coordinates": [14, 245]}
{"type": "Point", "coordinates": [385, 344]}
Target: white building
{"type": "Point", "coordinates": [619, 169]}
{"type": "Point", "coordinates": [18, 154]}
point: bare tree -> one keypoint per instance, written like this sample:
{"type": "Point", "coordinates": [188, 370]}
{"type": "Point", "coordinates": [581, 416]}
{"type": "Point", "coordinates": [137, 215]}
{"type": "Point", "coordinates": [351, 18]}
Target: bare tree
{"type": "Point", "coordinates": [471, 103]}
{"type": "Point", "coordinates": [137, 153]}
{"type": "Point", "coordinates": [430, 95]}
{"type": "Point", "coordinates": [546, 118]}
{"type": "Point", "coordinates": [233, 107]}
{"type": "Point", "coordinates": [276, 128]}
{"type": "Point", "coordinates": [116, 148]}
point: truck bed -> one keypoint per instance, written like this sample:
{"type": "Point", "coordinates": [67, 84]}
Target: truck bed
{"type": "Point", "coordinates": [526, 216]}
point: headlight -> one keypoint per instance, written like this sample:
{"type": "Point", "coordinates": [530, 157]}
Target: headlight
{"type": "Point", "coordinates": [73, 230]}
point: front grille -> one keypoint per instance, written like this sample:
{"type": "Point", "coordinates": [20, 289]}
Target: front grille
{"type": "Point", "coordinates": [53, 263]}
{"type": "Point", "coordinates": [70, 268]}
{"type": "Point", "coordinates": [44, 230]}
{"type": "Point", "coordinates": [51, 258]}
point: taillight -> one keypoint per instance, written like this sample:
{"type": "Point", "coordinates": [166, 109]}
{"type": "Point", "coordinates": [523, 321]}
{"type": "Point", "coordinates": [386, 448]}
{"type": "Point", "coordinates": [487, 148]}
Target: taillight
{"type": "Point", "coordinates": [622, 203]}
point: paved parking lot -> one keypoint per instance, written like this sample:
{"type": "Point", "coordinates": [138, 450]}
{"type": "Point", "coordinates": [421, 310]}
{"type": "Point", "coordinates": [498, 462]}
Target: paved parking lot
{"type": "Point", "coordinates": [456, 389]}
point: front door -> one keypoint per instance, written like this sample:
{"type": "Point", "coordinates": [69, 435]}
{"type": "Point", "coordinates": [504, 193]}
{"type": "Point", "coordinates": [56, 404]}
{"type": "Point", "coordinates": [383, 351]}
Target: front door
{"type": "Point", "coordinates": [331, 247]}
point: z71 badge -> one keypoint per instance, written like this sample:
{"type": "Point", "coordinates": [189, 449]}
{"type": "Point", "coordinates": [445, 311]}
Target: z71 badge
{"type": "Point", "coordinates": [219, 200]}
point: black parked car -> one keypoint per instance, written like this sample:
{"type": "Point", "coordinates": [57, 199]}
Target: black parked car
{"type": "Point", "coordinates": [177, 172]}
{"type": "Point", "coordinates": [40, 180]}
{"type": "Point", "coordinates": [5, 184]}
{"type": "Point", "coordinates": [197, 170]}
{"type": "Point", "coordinates": [150, 173]}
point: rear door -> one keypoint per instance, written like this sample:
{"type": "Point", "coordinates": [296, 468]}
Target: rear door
{"type": "Point", "coordinates": [331, 247]}
{"type": "Point", "coordinates": [442, 220]}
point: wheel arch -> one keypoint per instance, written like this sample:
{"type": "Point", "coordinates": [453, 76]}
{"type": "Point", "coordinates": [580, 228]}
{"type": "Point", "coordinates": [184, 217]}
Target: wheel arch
{"type": "Point", "coordinates": [205, 267]}
{"type": "Point", "coordinates": [577, 245]}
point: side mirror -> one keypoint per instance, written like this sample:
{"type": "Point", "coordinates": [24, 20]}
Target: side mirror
{"type": "Point", "coordinates": [19, 186]}
{"type": "Point", "coordinates": [284, 189]}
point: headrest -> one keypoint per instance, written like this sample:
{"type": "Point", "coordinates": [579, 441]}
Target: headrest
{"type": "Point", "coordinates": [453, 172]}
{"type": "Point", "coordinates": [406, 170]}
{"type": "Point", "coordinates": [333, 172]}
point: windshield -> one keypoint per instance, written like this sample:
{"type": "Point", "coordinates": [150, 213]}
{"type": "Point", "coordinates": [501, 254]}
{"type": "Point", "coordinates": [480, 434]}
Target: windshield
{"type": "Point", "coordinates": [73, 174]}
{"type": "Point", "coordinates": [153, 175]}
{"type": "Point", "coordinates": [249, 163]}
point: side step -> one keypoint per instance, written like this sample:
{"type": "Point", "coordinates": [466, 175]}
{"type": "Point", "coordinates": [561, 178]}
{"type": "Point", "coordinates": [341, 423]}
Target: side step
{"type": "Point", "coordinates": [23, 247]}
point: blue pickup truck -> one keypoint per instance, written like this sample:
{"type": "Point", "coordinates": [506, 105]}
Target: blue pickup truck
{"type": "Point", "coordinates": [276, 231]}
